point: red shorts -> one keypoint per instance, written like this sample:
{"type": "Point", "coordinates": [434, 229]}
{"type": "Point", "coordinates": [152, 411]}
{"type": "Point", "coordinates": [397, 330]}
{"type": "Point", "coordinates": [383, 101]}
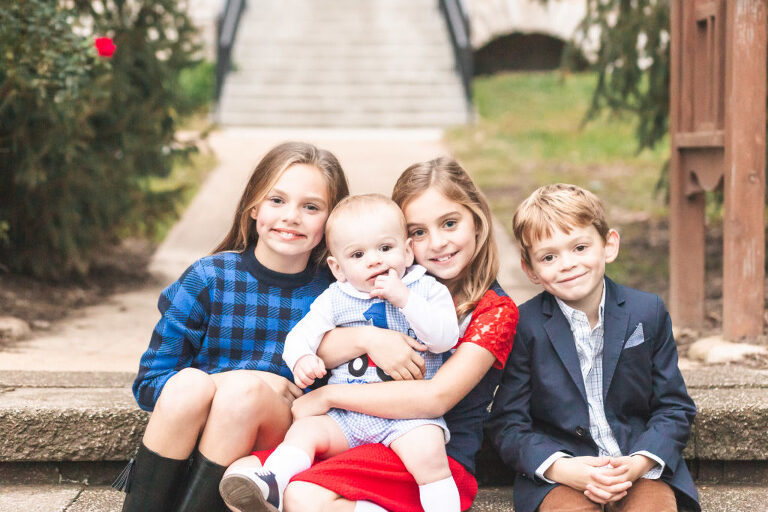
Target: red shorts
{"type": "Point", "coordinates": [374, 473]}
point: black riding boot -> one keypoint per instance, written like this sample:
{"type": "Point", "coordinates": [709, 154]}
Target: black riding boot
{"type": "Point", "coordinates": [153, 482]}
{"type": "Point", "coordinates": [202, 489]}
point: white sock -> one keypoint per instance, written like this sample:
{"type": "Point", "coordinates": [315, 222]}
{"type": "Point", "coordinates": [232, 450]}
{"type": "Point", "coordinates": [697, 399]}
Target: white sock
{"type": "Point", "coordinates": [285, 462]}
{"type": "Point", "coordinates": [442, 496]}
{"type": "Point", "coordinates": [368, 506]}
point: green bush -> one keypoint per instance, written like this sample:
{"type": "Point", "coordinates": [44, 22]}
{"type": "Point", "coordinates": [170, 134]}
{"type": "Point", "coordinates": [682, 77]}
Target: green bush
{"type": "Point", "coordinates": [197, 84]}
{"type": "Point", "coordinates": [82, 136]}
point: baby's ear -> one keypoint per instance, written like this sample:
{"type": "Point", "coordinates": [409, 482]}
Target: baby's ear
{"type": "Point", "coordinates": [408, 252]}
{"type": "Point", "coordinates": [336, 269]}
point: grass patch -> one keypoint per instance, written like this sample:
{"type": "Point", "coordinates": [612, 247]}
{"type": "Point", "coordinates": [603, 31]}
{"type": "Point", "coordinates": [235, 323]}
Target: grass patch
{"type": "Point", "coordinates": [530, 131]}
{"type": "Point", "coordinates": [187, 174]}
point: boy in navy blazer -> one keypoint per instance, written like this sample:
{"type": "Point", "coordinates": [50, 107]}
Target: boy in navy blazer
{"type": "Point", "coordinates": [592, 411]}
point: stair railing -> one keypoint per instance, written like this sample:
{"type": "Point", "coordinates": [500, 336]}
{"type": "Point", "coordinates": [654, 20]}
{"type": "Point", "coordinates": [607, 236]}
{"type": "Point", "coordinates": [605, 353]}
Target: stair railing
{"type": "Point", "coordinates": [226, 27]}
{"type": "Point", "coordinates": [457, 18]}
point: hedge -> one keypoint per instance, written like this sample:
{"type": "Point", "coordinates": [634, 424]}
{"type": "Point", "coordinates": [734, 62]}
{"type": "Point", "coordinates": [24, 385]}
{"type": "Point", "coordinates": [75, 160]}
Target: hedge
{"type": "Point", "coordinates": [82, 135]}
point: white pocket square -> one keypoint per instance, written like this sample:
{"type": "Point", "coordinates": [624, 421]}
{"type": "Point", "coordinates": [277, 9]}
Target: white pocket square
{"type": "Point", "coordinates": [637, 337]}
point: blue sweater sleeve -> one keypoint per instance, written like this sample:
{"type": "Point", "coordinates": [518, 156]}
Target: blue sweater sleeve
{"type": "Point", "coordinates": [185, 309]}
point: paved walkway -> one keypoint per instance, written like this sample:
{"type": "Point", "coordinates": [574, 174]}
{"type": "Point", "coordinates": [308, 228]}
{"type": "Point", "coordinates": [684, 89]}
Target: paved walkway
{"type": "Point", "coordinates": [111, 336]}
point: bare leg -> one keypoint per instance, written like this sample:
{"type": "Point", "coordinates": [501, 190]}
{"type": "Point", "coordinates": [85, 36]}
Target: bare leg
{"type": "Point", "coordinates": [180, 414]}
{"type": "Point", "coordinates": [317, 435]}
{"type": "Point", "coordinates": [246, 414]}
{"type": "Point", "coordinates": [307, 497]}
{"type": "Point", "coordinates": [422, 450]}
{"type": "Point", "coordinates": [249, 487]}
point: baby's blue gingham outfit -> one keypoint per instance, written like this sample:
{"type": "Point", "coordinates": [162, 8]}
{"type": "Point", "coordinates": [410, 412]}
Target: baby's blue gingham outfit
{"type": "Point", "coordinates": [349, 308]}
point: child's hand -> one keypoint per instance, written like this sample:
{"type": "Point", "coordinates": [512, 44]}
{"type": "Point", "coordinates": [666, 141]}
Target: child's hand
{"type": "Point", "coordinates": [391, 288]}
{"type": "Point", "coordinates": [307, 369]}
{"type": "Point", "coordinates": [311, 404]}
{"type": "Point", "coordinates": [594, 476]}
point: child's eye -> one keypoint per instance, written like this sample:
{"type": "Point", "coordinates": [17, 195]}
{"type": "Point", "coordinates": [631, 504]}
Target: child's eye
{"type": "Point", "coordinates": [357, 254]}
{"type": "Point", "coordinates": [548, 258]}
{"type": "Point", "coordinates": [450, 224]}
{"type": "Point", "coordinates": [580, 248]}
{"type": "Point", "coordinates": [417, 233]}
{"type": "Point", "coordinates": [275, 200]}
{"type": "Point", "coordinates": [385, 248]}
{"type": "Point", "coordinates": [312, 207]}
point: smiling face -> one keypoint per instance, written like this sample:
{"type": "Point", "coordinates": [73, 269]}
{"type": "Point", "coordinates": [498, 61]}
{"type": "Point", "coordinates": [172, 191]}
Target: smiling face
{"type": "Point", "coordinates": [291, 219]}
{"type": "Point", "coordinates": [443, 232]}
{"type": "Point", "coordinates": [571, 266]}
{"type": "Point", "coordinates": [366, 244]}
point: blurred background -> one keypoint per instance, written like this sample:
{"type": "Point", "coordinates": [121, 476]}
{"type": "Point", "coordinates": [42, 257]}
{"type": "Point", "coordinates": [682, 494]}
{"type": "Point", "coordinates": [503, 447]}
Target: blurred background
{"type": "Point", "coordinates": [101, 155]}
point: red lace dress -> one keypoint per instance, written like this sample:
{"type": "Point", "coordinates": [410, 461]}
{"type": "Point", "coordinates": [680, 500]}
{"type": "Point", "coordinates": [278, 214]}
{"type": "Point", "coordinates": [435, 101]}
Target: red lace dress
{"type": "Point", "coordinates": [373, 472]}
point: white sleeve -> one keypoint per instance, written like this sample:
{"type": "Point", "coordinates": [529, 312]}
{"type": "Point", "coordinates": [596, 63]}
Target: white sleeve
{"type": "Point", "coordinates": [307, 334]}
{"type": "Point", "coordinates": [655, 472]}
{"type": "Point", "coordinates": [544, 466]}
{"type": "Point", "coordinates": [433, 319]}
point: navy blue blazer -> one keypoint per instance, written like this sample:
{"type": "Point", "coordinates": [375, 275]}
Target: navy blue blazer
{"type": "Point", "coordinates": [541, 406]}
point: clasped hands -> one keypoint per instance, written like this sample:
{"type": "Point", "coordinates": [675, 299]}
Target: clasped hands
{"type": "Point", "coordinates": [601, 479]}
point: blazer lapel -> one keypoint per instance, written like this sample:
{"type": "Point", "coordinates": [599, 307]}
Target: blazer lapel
{"type": "Point", "coordinates": [616, 320]}
{"type": "Point", "coordinates": [560, 335]}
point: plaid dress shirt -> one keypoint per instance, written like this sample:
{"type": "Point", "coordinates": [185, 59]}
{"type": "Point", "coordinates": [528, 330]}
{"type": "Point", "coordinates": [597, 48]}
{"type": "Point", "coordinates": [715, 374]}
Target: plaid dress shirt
{"type": "Point", "coordinates": [226, 312]}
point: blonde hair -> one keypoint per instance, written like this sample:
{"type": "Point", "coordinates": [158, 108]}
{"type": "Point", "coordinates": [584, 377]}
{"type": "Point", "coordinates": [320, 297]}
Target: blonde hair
{"type": "Point", "coordinates": [362, 203]}
{"type": "Point", "coordinates": [242, 233]}
{"type": "Point", "coordinates": [560, 206]}
{"type": "Point", "coordinates": [452, 181]}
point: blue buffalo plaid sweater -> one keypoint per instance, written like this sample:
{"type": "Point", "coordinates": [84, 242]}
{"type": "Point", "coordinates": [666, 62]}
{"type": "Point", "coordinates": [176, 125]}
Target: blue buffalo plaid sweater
{"type": "Point", "coordinates": [226, 312]}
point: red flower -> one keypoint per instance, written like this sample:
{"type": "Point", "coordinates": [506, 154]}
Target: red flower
{"type": "Point", "coordinates": [104, 46]}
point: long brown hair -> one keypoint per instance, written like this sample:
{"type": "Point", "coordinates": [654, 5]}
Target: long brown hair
{"type": "Point", "coordinates": [453, 182]}
{"type": "Point", "coordinates": [266, 174]}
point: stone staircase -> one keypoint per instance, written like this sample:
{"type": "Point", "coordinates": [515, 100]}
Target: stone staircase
{"type": "Point", "coordinates": [66, 435]}
{"type": "Point", "coordinates": [343, 63]}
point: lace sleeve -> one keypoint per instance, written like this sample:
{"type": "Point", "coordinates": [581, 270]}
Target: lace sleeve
{"type": "Point", "coordinates": [493, 326]}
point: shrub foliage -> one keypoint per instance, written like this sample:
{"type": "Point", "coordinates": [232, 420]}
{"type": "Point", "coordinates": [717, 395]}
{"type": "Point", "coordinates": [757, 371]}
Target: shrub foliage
{"type": "Point", "coordinates": [82, 136]}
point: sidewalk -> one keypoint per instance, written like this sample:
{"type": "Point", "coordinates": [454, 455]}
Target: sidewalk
{"type": "Point", "coordinates": [112, 336]}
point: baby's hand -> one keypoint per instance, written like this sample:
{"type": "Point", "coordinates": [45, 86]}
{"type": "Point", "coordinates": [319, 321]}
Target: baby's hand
{"type": "Point", "coordinates": [391, 288]}
{"type": "Point", "coordinates": [307, 369]}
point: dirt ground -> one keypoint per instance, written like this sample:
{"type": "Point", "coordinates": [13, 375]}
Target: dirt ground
{"type": "Point", "coordinates": [120, 268]}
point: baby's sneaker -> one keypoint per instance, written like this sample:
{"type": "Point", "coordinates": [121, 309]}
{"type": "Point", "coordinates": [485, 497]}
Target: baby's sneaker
{"type": "Point", "coordinates": [251, 490]}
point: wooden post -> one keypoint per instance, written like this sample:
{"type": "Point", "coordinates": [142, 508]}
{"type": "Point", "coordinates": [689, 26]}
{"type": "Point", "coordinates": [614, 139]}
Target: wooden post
{"type": "Point", "coordinates": [686, 216]}
{"type": "Point", "coordinates": [744, 184]}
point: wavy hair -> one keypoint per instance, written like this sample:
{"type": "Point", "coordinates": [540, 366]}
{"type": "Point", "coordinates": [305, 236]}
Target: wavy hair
{"type": "Point", "coordinates": [452, 181]}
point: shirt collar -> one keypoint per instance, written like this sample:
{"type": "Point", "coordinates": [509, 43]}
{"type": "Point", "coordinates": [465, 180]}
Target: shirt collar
{"type": "Point", "coordinates": [572, 314]}
{"type": "Point", "coordinates": [412, 274]}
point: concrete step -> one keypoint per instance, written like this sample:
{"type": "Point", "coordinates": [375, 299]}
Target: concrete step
{"type": "Point", "coordinates": [404, 76]}
{"type": "Point", "coordinates": [342, 119]}
{"type": "Point", "coordinates": [84, 498]}
{"type": "Point", "coordinates": [312, 61]}
{"type": "Point", "coordinates": [375, 90]}
{"type": "Point", "coordinates": [55, 424]}
{"type": "Point", "coordinates": [335, 105]}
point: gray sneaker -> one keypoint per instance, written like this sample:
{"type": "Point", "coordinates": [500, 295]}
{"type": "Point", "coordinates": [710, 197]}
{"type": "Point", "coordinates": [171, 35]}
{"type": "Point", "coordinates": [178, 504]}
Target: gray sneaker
{"type": "Point", "coordinates": [249, 490]}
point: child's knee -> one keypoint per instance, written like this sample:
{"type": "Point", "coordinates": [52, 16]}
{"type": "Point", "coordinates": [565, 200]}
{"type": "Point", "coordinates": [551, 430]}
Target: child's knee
{"type": "Point", "coordinates": [243, 398]}
{"type": "Point", "coordinates": [188, 394]}
{"type": "Point", "coordinates": [305, 497]}
{"type": "Point", "coordinates": [422, 450]}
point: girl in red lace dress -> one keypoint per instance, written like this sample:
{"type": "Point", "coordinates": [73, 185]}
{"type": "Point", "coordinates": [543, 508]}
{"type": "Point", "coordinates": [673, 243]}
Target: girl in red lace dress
{"type": "Point", "coordinates": [450, 224]}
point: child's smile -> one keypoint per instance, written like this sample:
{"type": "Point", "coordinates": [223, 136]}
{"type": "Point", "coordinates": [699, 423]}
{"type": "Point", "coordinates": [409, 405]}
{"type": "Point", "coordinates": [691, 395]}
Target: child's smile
{"type": "Point", "coordinates": [571, 266]}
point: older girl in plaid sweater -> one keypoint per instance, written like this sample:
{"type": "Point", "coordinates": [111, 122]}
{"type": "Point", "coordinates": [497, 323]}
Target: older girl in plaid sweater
{"type": "Point", "coordinates": [213, 374]}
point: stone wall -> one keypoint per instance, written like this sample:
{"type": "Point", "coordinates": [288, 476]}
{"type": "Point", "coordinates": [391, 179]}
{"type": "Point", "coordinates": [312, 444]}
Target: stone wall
{"type": "Point", "coordinates": [493, 18]}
